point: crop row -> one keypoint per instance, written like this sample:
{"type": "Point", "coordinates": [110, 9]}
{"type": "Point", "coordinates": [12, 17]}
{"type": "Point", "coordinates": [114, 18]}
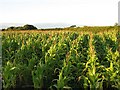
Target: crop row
{"type": "Point", "coordinates": [65, 60]}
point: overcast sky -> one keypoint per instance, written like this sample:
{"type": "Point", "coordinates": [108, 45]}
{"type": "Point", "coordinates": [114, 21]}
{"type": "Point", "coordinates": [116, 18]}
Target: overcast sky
{"type": "Point", "coordinates": [82, 12]}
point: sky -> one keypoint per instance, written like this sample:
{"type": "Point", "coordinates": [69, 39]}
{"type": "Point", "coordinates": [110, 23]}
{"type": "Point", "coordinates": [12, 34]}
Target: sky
{"type": "Point", "coordinates": [79, 12]}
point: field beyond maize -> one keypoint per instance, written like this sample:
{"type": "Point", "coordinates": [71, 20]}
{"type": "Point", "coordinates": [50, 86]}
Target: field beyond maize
{"type": "Point", "coordinates": [62, 60]}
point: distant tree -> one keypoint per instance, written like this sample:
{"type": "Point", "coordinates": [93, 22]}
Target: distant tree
{"type": "Point", "coordinates": [116, 24]}
{"type": "Point", "coordinates": [19, 28]}
{"type": "Point", "coordinates": [3, 29]}
{"type": "Point", "coordinates": [25, 27]}
{"type": "Point", "coordinates": [73, 26]}
{"type": "Point", "coordinates": [11, 28]}
{"type": "Point", "coordinates": [29, 27]}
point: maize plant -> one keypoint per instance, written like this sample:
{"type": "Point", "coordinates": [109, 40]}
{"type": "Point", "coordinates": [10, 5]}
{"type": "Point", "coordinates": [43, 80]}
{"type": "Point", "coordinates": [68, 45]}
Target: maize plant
{"type": "Point", "coordinates": [86, 58]}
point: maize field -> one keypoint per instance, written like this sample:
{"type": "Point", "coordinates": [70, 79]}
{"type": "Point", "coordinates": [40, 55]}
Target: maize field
{"type": "Point", "coordinates": [62, 60]}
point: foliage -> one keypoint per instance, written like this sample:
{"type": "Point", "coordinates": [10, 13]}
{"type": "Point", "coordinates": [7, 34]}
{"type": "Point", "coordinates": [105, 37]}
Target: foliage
{"type": "Point", "coordinates": [61, 60]}
{"type": "Point", "coordinates": [25, 27]}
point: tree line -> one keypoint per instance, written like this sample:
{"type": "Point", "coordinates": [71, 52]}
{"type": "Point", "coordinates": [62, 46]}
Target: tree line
{"type": "Point", "coordinates": [25, 27]}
